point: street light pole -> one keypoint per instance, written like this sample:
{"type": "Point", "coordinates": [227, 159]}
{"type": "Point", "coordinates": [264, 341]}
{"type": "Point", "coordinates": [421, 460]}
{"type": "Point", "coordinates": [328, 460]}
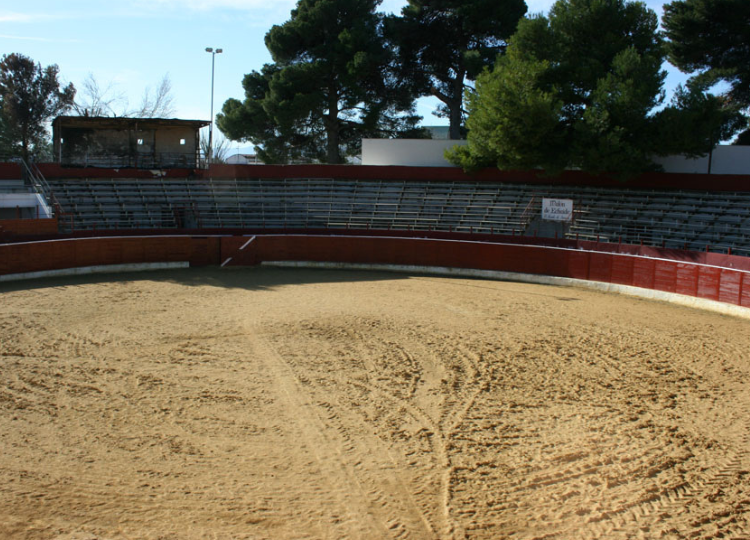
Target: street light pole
{"type": "Point", "coordinates": [209, 155]}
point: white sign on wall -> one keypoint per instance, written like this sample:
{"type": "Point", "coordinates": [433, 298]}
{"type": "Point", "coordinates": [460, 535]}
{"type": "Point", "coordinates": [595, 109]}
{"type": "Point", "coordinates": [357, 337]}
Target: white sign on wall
{"type": "Point", "coordinates": [557, 209]}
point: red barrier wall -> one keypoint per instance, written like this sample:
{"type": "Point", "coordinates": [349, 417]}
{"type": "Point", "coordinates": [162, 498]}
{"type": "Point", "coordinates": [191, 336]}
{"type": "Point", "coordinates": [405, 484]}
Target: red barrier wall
{"type": "Point", "coordinates": [729, 285]}
{"type": "Point", "coordinates": [74, 253]}
{"type": "Point", "coordinates": [23, 227]}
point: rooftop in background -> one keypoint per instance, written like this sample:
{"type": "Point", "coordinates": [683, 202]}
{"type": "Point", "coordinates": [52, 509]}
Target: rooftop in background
{"type": "Point", "coordinates": [118, 122]}
{"type": "Point", "coordinates": [90, 141]}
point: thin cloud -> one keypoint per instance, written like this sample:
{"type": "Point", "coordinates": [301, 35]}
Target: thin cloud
{"type": "Point", "coordinates": [212, 5]}
{"type": "Point", "coordinates": [18, 17]}
{"type": "Point", "coordinates": [28, 18]}
{"type": "Point", "coordinates": [257, 14]}
{"type": "Point", "coordinates": [40, 39]}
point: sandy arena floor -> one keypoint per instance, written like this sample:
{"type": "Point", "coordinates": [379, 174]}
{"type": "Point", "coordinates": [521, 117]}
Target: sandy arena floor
{"type": "Point", "coordinates": [263, 403]}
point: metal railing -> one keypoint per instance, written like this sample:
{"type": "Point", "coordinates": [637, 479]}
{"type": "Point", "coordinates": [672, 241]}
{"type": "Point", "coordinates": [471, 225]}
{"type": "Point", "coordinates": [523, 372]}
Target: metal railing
{"type": "Point", "coordinates": [188, 160]}
{"type": "Point", "coordinates": [530, 212]}
{"type": "Point", "coordinates": [33, 177]}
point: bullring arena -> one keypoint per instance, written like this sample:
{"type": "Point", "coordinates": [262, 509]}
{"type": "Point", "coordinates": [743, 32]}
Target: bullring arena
{"type": "Point", "coordinates": [294, 403]}
{"type": "Point", "coordinates": [393, 384]}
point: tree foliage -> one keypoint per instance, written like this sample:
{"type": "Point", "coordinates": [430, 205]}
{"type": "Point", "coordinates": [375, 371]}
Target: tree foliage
{"type": "Point", "coordinates": [97, 100]}
{"type": "Point", "coordinates": [697, 121]}
{"type": "Point", "coordinates": [93, 99]}
{"type": "Point", "coordinates": [710, 38]}
{"type": "Point", "coordinates": [219, 150]}
{"type": "Point", "coordinates": [156, 104]}
{"type": "Point", "coordinates": [443, 43]}
{"type": "Point", "coordinates": [8, 145]}
{"type": "Point", "coordinates": [331, 84]}
{"type": "Point", "coordinates": [582, 88]}
{"type": "Point", "coordinates": [30, 96]}
{"type": "Point", "coordinates": [513, 124]}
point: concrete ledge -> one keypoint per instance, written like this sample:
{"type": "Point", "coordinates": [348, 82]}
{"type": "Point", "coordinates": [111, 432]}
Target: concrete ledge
{"type": "Point", "coordinates": [672, 298]}
{"type": "Point", "coordinates": [105, 269]}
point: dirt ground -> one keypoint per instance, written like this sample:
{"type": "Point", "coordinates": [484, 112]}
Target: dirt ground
{"type": "Point", "coordinates": [280, 403]}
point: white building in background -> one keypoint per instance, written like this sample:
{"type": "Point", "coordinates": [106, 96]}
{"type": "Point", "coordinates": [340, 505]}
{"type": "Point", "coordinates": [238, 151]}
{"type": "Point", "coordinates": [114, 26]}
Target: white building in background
{"type": "Point", "coordinates": [409, 152]}
{"type": "Point", "coordinates": [725, 159]}
{"type": "Point", "coordinates": [243, 159]}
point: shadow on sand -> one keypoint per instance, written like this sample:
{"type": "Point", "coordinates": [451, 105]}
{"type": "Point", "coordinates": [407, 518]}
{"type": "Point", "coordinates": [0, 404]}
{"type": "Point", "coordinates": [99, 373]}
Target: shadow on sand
{"type": "Point", "coordinates": [263, 279]}
{"type": "Point", "coordinates": [248, 278]}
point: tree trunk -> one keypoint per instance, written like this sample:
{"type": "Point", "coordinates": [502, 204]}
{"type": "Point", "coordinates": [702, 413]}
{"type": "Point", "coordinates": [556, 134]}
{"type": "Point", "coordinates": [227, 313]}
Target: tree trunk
{"type": "Point", "coordinates": [332, 130]}
{"type": "Point", "coordinates": [332, 143]}
{"type": "Point", "coordinates": [455, 105]}
{"type": "Point", "coordinates": [454, 132]}
{"type": "Point", "coordinates": [24, 145]}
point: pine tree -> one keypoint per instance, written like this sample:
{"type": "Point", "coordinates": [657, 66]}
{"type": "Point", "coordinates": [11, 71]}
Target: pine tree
{"type": "Point", "coordinates": [583, 88]}
{"type": "Point", "coordinates": [443, 44]}
{"type": "Point", "coordinates": [330, 85]}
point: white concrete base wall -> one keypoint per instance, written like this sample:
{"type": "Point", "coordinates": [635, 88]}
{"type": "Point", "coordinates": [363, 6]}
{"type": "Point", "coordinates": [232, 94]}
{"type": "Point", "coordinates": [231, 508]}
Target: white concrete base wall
{"type": "Point", "coordinates": [21, 200]}
{"type": "Point", "coordinates": [26, 200]}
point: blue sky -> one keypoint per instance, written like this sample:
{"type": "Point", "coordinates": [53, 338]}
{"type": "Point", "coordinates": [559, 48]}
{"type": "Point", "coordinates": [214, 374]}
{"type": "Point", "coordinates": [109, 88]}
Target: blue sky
{"type": "Point", "coordinates": [132, 44]}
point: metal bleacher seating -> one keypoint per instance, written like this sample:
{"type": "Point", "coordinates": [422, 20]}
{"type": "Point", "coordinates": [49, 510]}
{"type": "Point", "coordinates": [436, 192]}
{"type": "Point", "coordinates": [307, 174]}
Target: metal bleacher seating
{"type": "Point", "coordinates": [677, 219]}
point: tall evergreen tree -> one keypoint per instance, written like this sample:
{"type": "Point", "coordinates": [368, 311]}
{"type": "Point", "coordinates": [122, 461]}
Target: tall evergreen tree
{"type": "Point", "coordinates": [580, 88]}
{"type": "Point", "coordinates": [442, 44]}
{"type": "Point", "coordinates": [709, 38]}
{"type": "Point", "coordinates": [330, 85]}
{"type": "Point", "coordinates": [30, 96]}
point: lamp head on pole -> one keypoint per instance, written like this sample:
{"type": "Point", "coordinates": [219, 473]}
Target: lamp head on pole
{"type": "Point", "coordinates": [209, 49]}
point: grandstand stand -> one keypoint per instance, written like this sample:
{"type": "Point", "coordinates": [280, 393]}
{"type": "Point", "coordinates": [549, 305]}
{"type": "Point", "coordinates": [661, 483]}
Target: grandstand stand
{"type": "Point", "coordinates": [671, 218]}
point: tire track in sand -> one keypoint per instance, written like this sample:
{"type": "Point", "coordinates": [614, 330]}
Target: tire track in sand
{"type": "Point", "coordinates": [470, 382]}
{"type": "Point", "coordinates": [340, 461]}
{"type": "Point", "coordinates": [628, 521]}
